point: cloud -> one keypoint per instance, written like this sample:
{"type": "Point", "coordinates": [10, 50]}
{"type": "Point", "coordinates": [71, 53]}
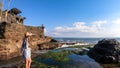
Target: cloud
{"type": "Point", "coordinates": [115, 27]}
{"type": "Point", "coordinates": [101, 28]}
{"type": "Point", "coordinates": [116, 21]}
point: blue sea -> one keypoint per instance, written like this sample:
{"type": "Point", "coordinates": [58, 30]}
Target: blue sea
{"type": "Point", "coordinates": [84, 40]}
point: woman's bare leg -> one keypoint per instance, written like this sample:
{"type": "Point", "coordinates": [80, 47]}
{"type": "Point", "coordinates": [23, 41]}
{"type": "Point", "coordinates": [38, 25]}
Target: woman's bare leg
{"type": "Point", "coordinates": [26, 63]}
{"type": "Point", "coordinates": [29, 62]}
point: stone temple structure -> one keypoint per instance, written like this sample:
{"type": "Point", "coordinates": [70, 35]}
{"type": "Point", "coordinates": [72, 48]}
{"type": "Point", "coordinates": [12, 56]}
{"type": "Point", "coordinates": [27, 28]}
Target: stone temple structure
{"type": "Point", "coordinates": [11, 16]}
{"type": "Point", "coordinates": [12, 31]}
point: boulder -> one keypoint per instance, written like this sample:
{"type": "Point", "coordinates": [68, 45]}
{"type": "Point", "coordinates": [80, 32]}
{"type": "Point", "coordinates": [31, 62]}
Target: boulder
{"type": "Point", "coordinates": [106, 51]}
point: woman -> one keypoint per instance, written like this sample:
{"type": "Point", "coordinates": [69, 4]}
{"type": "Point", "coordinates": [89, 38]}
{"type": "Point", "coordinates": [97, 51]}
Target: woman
{"type": "Point", "coordinates": [26, 50]}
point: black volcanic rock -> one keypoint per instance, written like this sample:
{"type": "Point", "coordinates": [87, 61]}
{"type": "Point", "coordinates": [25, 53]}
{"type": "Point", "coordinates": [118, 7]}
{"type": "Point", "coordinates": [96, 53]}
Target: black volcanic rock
{"type": "Point", "coordinates": [106, 51]}
{"type": "Point", "coordinates": [53, 40]}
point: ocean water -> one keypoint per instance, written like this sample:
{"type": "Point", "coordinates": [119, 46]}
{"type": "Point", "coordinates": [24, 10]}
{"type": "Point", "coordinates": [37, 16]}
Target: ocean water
{"type": "Point", "coordinates": [84, 40]}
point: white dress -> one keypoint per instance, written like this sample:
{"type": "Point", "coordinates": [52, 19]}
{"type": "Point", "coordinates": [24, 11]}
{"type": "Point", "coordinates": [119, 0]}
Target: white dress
{"type": "Point", "coordinates": [26, 51]}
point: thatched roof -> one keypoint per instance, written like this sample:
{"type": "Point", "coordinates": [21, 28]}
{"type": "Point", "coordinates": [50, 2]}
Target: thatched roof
{"type": "Point", "coordinates": [14, 11]}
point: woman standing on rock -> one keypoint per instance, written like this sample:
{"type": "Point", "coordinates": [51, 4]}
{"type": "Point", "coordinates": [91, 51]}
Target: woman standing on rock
{"type": "Point", "coordinates": [26, 50]}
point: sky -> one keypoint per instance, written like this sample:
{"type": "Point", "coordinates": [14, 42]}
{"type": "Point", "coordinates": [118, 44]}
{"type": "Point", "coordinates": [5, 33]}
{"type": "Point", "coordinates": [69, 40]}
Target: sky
{"type": "Point", "coordinates": [72, 18]}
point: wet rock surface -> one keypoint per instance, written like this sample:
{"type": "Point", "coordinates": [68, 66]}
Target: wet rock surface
{"type": "Point", "coordinates": [106, 51]}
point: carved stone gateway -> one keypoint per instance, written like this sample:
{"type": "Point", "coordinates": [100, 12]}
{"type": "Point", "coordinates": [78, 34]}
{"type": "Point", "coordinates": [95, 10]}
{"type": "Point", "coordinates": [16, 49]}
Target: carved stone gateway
{"type": "Point", "coordinates": [106, 51]}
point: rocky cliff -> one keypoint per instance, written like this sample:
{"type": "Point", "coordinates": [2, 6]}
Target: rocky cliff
{"type": "Point", "coordinates": [12, 34]}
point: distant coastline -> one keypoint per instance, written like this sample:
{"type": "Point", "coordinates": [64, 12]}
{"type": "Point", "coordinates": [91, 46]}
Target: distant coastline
{"type": "Point", "coordinates": [84, 40]}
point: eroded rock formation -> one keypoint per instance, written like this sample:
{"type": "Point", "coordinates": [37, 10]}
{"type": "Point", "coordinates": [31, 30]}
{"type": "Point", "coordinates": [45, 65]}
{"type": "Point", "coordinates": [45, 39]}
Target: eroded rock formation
{"type": "Point", "coordinates": [49, 45]}
{"type": "Point", "coordinates": [106, 51]}
{"type": "Point", "coordinates": [12, 34]}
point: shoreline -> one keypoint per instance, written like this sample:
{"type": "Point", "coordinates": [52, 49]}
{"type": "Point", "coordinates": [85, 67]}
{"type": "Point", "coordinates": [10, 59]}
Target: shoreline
{"type": "Point", "coordinates": [19, 60]}
{"type": "Point", "coordinates": [14, 62]}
